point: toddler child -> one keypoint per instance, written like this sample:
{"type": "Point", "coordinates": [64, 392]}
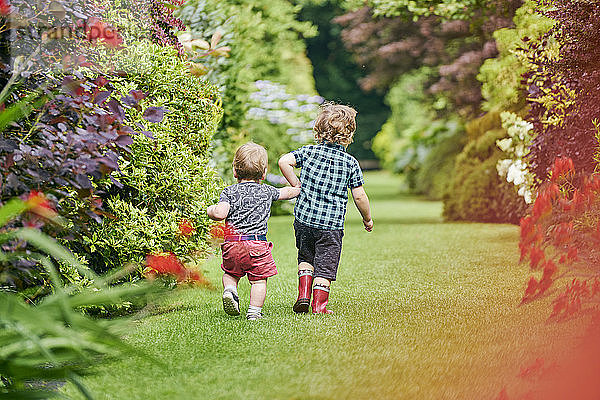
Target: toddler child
{"type": "Point", "coordinates": [246, 207]}
{"type": "Point", "coordinates": [327, 171]}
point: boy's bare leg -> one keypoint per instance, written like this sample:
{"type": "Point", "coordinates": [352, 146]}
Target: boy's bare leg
{"type": "Point", "coordinates": [230, 280]}
{"type": "Point", "coordinates": [322, 281]}
{"type": "Point", "coordinates": [231, 301]}
{"type": "Point", "coordinates": [258, 293]}
{"type": "Point", "coordinates": [303, 266]}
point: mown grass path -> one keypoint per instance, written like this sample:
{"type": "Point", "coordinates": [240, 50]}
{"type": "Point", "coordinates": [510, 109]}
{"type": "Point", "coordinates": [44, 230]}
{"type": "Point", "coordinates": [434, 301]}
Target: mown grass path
{"type": "Point", "coordinates": [423, 310]}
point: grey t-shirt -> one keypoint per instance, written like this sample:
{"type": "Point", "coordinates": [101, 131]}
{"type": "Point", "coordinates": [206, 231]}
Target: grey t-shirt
{"type": "Point", "coordinates": [249, 206]}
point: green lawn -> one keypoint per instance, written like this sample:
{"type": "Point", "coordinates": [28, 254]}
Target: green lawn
{"type": "Point", "coordinates": [423, 310]}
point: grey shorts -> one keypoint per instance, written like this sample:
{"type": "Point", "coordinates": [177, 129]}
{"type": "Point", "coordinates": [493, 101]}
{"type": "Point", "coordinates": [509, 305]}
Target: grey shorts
{"type": "Point", "coordinates": [320, 248]}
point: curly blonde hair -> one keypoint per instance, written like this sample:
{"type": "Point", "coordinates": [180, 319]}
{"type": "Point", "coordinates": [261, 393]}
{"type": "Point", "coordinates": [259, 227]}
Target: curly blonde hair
{"type": "Point", "coordinates": [336, 123]}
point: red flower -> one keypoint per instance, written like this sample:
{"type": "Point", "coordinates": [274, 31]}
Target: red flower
{"type": "Point", "coordinates": [529, 232]}
{"type": "Point", "coordinates": [593, 184]}
{"type": "Point", "coordinates": [565, 204]}
{"type": "Point", "coordinates": [596, 287]}
{"type": "Point", "coordinates": [38, 204]}
{"type": "Point", "coordinates": [560, 304]}
{"type": "Point", "coordinates": [502, 395]}
{"type": "Point", "coordinates": [578, 201]}
{"type": "Point", "coordinates": [220, 231]}
{"type": "Point", "coordinates": [542, 205]}
{"type": "Point", "coordinates": [186, 229]}
{"type": "Point", "coordinates": [166, 263]}
{"type": "Point", "coordinates": [99, 30]}
{"type": "Point", "coordinates": [5, 7]}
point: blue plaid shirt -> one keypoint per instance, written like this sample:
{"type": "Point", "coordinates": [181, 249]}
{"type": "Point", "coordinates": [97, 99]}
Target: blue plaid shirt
{"type": "Point", "coordinates": [327, 173]}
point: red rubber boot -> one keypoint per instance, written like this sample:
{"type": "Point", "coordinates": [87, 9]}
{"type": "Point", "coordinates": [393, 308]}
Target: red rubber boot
{"type": "Point", "coordinates": [320, 299]}
{"type": "Point", "coordinates": [305, 278]}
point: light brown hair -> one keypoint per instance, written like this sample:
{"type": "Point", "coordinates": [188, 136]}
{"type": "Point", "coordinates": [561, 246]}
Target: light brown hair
{"type": "Point", "coordinates": [336, 123]}
{"type": "Point", "coordinates": [250, 161]}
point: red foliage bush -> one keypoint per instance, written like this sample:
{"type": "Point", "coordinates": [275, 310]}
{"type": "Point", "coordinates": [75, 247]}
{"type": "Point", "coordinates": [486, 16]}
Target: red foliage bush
{"type": "Point", "coordinates": [560, 238]}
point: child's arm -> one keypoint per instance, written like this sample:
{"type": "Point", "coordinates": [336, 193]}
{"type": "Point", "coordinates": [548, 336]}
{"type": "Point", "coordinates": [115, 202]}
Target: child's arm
{"type": "Point", "coordinates": [286, 193]}
{"type": "Point", "coordinates": [287, 162]}
{"type": "Point", "coordinates": [218, 212]}
{"type": "Point", "coordinates": [362, 203]}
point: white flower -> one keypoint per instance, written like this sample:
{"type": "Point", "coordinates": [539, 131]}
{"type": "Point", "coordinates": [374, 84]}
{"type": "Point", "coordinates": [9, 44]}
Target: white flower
{"type": "Point", "coordinates": [526, 194]}
{"type": "Point", "coordinates": [504, 144]}
{"type": "Point", "coordinates": [519, 150]}
{"type": "Point", "coordinates": [502, 167]}
{"type": "Point", "coordinates": [515, 174]}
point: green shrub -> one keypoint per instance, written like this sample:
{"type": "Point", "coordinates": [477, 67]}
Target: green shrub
{"type": "Point", "coordinates": [414, 141]}
{"type": "Point", "coordinates": [50, 341]}
{"type": "Point", "coordinates": [266, 42]}
{"type": "Point", "coordinates": [501, 76]}
{"type": "Point", "coordinates": [476, 192]}
{"type": "Point", "coordinates": [436, 172]}
{"type": "Point", "coordinates": [167, 178]}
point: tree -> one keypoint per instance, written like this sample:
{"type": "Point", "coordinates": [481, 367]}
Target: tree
{"type": "Point", "coordinates": [337, 76]}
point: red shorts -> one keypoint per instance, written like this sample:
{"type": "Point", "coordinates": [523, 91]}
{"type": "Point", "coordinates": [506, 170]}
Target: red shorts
{"type": "Point", "coordinates": [252, 257]}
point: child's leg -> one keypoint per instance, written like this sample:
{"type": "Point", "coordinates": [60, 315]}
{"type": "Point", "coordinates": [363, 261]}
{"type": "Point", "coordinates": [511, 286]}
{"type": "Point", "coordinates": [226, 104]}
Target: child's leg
{"type": "Point", "coordinates": [322, 281]}
{"type": "Point", "coordinates": [304, 266]}
{"type": "Point", "coordinates": [305, 280]}
{"type": "Point", "coordinates": [258, 293]}
{"type": "Point", "coordinates": [328, 249]}
{"type": "Point", "coordinates": [230, 281]}
{"type": "Point", "coordinates": [305, 243]}
{"type": "Point", "coordinates": [231, 301]}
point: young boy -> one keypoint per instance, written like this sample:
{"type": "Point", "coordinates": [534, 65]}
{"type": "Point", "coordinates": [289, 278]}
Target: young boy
{"type": "Point", "coordinates": [327, 173]}
{"type": "Point", "coordinates": [246, 207]}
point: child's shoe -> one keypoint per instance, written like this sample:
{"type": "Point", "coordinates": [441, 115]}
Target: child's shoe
{"type": "Point", "coordinates": [320, 299]}
{"type": "Point", "coordinates": [305, 278]}
{"type": "Point", "coordinates": [231, 303]}
{"type": "Point", "coordinates": [254, 316]}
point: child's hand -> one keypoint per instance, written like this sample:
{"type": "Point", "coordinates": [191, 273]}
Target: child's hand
{"type": "Point", "coordinates": [368, 225]}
